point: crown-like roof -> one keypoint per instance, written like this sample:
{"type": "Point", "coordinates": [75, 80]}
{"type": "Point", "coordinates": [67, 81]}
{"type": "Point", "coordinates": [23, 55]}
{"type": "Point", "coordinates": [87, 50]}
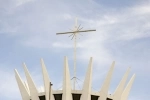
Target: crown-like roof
{"type": "Point", "coordinates": [29, 90]}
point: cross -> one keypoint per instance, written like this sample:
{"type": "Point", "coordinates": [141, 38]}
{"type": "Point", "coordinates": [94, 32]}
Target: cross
{"type": "Point", "coordinates": [77, 30]}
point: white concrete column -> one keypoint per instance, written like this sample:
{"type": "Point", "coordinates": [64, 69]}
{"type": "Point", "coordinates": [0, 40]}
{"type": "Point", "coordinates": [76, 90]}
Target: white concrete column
{"type": "Point", "coordinates": [32, 87]}
{"type": "Point", "coordinates": [47, 87]}
{"type": "Point", "coordinates": [106, 84]}
{"type": "Point", "coordinates": [24, 93]}
{"type": "Point", "coordinates": [26, 86]}
{"type": "Point", "coordinates": [86, 91]}
{"type": "Point", "coordinates": [66, 82]}
{"type": "Point", "coordinates": [126, 91]}
{"type": "Point", "coordinates": [121, 86]}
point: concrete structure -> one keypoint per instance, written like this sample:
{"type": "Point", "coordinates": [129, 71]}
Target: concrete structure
{"type": "Point", "coordinates": [29, 90]}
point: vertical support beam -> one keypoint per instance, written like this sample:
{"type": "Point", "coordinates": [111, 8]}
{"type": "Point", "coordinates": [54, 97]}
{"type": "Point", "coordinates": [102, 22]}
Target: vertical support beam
{"type": "Point", "coordinates": [106, 84]}
{"type": "Point", "coordinates": [66, 82]}
{"type": "Point", "coordinates": [75, 50]}
{"type": "Point", "coordinates": [120, 88]}
{"type": "Point", "coordinates": [32, 87]}
{"type": "Point", "coordinates": [47, 85]}
{"type": "Point", "coordinates": [24, 93]}
{"type": "Point", "coordinates": [126, 91]}
{"type": "Point", "coordinates": [86, 91]}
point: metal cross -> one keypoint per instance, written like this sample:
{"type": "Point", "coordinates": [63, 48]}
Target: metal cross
{"type": "Point", "coordinates": [77, 30]}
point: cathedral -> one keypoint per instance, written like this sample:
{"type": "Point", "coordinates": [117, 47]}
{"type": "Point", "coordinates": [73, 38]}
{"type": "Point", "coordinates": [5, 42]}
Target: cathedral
{"type": "Point", "coordinates": [29, 91]}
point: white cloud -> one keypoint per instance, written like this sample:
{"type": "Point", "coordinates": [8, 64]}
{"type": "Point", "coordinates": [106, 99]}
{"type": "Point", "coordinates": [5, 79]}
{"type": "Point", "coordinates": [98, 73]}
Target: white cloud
{"type": "Point", "coordinates": [61, 45]}
{"type": "Point", "coordinates": [142, 9]}
{"type": "Point", "coordinates": [67, 16]}
{"type": "Point", "coordinates": [21, 2]}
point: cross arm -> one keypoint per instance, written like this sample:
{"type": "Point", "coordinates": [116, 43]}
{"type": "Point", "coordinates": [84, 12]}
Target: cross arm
{"type": "Point", "coordinates": [86, 31]}
{"type": "Point", "coordinates": [64, 33]}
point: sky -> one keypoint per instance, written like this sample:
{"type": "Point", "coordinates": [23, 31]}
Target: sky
{"type": "Point", "coordinates": [28, 33]}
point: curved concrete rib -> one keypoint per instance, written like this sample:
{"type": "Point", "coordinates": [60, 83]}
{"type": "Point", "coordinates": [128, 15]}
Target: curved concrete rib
{"type": "Point", "coordinates": [26, 86]}
{"type": "Point", "coordinates": [106, 84]}
{"type": "Point", "coordinates": [22, 88]}
{"type": "Point", "coordinates": [66, 82]}
{"type": "Point", "coordinates": [120, 88]}
{"type": "Point", "coordinates": [126, 91]}
{"type": "Point", "coordinates": [32, 87]}
{"type": "Point", "coordinates": [47, 84]}
{"type": "Point", "coordinates": [87, 83]}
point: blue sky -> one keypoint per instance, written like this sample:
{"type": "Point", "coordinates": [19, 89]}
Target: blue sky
{"type": "Point", "coordinates": [28, 32]}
